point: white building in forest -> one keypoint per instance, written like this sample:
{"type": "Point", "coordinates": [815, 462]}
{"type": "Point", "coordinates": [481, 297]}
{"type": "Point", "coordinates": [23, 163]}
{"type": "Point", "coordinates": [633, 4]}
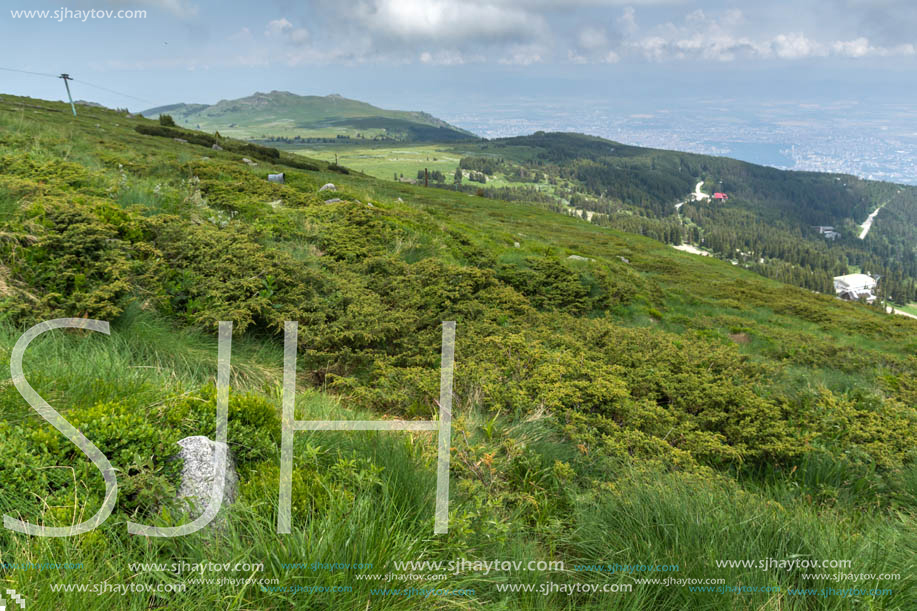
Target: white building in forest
{"type": "Point", "coordinates": [827, 231]}
{"type": "Point", "coordinates": [854, 287]}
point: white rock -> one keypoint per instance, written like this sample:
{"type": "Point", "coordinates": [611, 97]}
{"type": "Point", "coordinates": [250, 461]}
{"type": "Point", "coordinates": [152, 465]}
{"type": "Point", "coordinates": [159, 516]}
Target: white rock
{"type": "Point", "coordinates": [216, 147]}
{"type": "Point", "coordinates": [579, 258]}
{"type": "Point", "coordinates": [328, 187]}
{"type": "Point", "coordinates": [517, 245]}
{"type": "Point", "coordinates": [199, 474]}
{"type": "Point", "coordinates": [333, 200]}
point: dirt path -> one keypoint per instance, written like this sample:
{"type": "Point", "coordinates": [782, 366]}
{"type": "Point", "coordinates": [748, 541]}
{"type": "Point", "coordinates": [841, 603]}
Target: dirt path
{"type": "Point", "coordinates": [698, 196]}
{"type": "Point", "coordinates": [868, 224]}
{"type": "Point", "coordinates": [892, 310]}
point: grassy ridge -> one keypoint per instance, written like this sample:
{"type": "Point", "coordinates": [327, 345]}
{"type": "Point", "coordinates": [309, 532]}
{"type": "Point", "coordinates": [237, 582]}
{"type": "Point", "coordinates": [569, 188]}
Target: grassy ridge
{"type": "Point", "coordinates": [640, 406]}
{"type": "Point", "coordinates": [284, 114]}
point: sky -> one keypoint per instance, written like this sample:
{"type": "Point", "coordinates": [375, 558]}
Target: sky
{"type": "Point", "coordinates": [441, 55]}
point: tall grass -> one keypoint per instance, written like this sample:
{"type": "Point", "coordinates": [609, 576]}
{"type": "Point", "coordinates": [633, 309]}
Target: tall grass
{"type": "Point", "coordinates": [144, 358]}
{"type": "Point", "coordinates": [367, 498]}
{"type": "Point", "coordinates": [654, 518]}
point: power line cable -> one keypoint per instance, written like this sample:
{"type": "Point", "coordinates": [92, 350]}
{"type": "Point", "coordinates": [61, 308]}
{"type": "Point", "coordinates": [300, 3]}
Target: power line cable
{"type": "Point", "coordinates": [87, 83]}
{"type": "Point", "coordinates": [29, 72]}
{"type": "Point", "coordinates": [127, 95]}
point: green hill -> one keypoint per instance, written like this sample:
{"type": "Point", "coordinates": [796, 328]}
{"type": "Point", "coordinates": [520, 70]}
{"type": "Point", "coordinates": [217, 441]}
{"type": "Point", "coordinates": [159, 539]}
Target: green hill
{"type": "Point", "coordinates": [281, 115]}
{"type": "Point", "coordinates": [617, 404]}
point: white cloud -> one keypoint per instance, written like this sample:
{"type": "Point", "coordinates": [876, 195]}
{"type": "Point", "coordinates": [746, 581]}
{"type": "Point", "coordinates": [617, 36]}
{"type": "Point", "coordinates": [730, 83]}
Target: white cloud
{"type": "Point", "coordinates": [729, 36]}
{"type": "Point", "coordinates": [283, 29]}
{"type": "Point", "coordinates": [574, 4]}
{"type": "Point", "coordinates": [523, 55]}
{"type": "Point", "coordinates": [443, 58]}
{"type": "Point", "coordinates": [441, 32]}
{"type": "Point", "coordinates": [525, 32]}
{"type": "Point", "coordinates": [277, 27]}
{"type": "Point", "coordinates": [902, 50]}
{"type": "Point", "coordinates": [861, 47]}
{"type": "Point", "coordinates": [448, 21]}
{"type": "Point", "coordinates": [594, 45]}
{"type": "Point", "coordinates": [242, 36]}
{"type": "Point", "coordinates": [699, 36]}
{"type": "Point", "coordinates": [592, 38]}
{"type": "Point", "coordinates": [852, 48]}
{"type": "Point", "coordinates": [611, 58]}
{"type": "Point", "coordinates": [299, 36]}
{"type": "Point", "coordinates": [652, 47]}
{"type": "Point", "coordinates": [627, 22]}
{"type": "Point", "coordinates": [795, 45]}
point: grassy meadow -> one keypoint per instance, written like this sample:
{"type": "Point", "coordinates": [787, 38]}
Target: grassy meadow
{"type": "Point", "coordinates": [384, 161]}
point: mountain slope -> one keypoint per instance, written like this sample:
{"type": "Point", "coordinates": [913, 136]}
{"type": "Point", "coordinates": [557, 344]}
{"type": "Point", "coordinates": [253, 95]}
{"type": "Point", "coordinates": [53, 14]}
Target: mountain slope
{"type": "Point", "coordinates": [768, 224]}
{"type": "Point", "coordinates": [615, 401]}
{"type": "Point", "coordinates": [281, 114]}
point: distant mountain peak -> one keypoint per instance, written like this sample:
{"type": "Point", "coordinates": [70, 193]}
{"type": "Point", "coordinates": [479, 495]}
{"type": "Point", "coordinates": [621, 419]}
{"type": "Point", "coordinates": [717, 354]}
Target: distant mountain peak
{"type": "Point", "coordinates": [286, 115]}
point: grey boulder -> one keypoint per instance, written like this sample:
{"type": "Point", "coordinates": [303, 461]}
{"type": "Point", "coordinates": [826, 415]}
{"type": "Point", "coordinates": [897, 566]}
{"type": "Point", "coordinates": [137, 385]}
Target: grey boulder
{"type": "Point", "coordinates": [199, 474]}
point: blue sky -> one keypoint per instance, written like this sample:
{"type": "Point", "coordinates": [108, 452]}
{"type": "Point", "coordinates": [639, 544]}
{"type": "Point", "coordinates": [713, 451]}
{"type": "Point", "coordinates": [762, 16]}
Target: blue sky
{"type": "Point", "coordinates": [431, 54]}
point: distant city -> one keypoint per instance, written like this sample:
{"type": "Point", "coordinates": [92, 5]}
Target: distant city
{"type": "Point", "coordinates": [874, 141]}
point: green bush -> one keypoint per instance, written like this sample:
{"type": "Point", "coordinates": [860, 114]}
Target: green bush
{"type": "Point", "coordinates": [79, 259]}
{"type": "Point", "coordinates": [166, 131]}
{"type": "Point", "coordinates": [40, 466]}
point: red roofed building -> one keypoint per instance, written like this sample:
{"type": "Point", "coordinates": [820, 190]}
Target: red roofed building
{"type": "Point", "coordinates": [720, 196]}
